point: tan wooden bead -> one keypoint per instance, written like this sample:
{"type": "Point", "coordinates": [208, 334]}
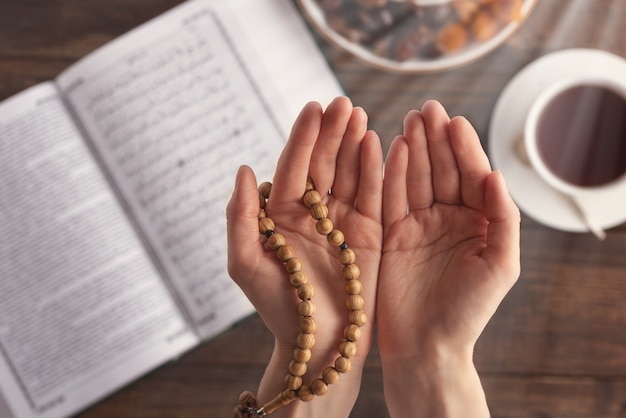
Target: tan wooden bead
{"type": "Point", "coordinates": [285, 253]}
{"type": "Point", "coordinates": [237, 413]}
{"type": "Point", "coordinates": [355, 302]}
{"type": "Point", "coordinates": [308, 325]}
{"type": "Point", "coordinates": [265, 188]}
{"type": "Point", "coordinates": [290, 395]}
{"type": "Point", "coordinates": [305, 340]}
{"type": "Point", "coordinates": [343, 364]}
{"type": "Point", "coordinates": [319, 387]}
{"type": "Point", "coordinates": [353, 287]}
{"type": "Point", "coordinates": [311, 198]}
{"type": "Point", "coordinates": [335, 238]}
{"type": "Point", "coordinates": [296, 368]}
{"type": "Point", "coordinates": [306, 291]}
{"type": "Point", "coordinates": [324, 226]}
{"type": "Point", "coordinates": [319, 211]}
{"type": "Point", "coordinates": [351, 271]}
{"type": "Point", "coordinates": [282, 399]}
{"type": "Point", "coordinates": [247, 398]}
{"type": "Point", "coordinates": [358, 318]}
{"type": "Point", "coordinates": [306, 308]}
{"type": "Point", "coordinates": [297, 278]}
{"type": "Point", "coordinates": [266, 224]}
{"type": "Point", "coordinates": [302, 355]}
{"type": "Point", "coordinates": [347, 349]}
{"type": "Point", "coordinates": [293, 382]}
{"type": "Point", "coordinates": [310, 185]}
{"type": "Point", "coordinates": [262, 213]}
{"type": "Point", "coordinates": [330, 375]}
{"type": "Point", "coordinates": [347, 256]}
{"type": "Point", "coordinates": [262, 202]}
{"type": "Point", "coordinates": [276, 241]}
{"type": "Point", "coordinates": [305, 394]}
{"type": "Point", "coordinates": [352, 332]}
{"type": "Point", "coordinates": [293, 264]}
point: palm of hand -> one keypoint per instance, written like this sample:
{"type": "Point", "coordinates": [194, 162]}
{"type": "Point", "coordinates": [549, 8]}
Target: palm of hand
{"type": "Point", "coordinates": [324, 272]}
{"type": "Point", "coordinates": [448, 263]}
{"type": "Point", "coordinates": [447, 290]}
{"type": "Point", "coordinates": [333, 148]}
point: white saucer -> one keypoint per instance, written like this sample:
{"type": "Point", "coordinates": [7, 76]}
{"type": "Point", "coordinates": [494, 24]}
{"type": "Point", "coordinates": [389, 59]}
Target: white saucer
{"type": "Point", "coordinates": [531, 193]}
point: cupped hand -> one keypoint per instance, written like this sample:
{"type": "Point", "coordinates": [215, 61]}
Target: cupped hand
{"type": "Point", "coordinates": [451, 238]}
{"type": "Point", "coordinates": [344, 160]}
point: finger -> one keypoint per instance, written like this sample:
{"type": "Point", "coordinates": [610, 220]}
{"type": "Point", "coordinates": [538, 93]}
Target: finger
{"type": "Point", "coordinates": [242, 228]}
{"type": "Point", "coordinates": [348, 168]}
{"type": "Point", "coordinates": [293, 164]}
{"type": "Point", "coordinates": [369, 197]}
{"type": "Point", "coordinates": [333, 128]}
{"type": "Point", "coordinates": [419, 176]}
{"type": "Point", "coordinates": [473, 164]}
{"type": "Point", "coordinates": [395, 198]}
{"type": "Point", "coordinates": [446, 185]}
{"type": "Point", "coordinates": [503, 232]}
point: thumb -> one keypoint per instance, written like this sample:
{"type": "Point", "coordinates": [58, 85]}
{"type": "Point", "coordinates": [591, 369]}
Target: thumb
{"type": "Point", "coordinates": [242, 214]}
{"type": "Point", "coordinates": [503, 233]}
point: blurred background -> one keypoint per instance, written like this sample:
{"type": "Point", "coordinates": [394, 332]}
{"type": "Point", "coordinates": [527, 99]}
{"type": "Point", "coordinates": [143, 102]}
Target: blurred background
{"type": "Point", "coordinates": [557, 345]}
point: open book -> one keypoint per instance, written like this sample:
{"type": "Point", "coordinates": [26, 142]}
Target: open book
{"type": "Point", "coordinates": [114, 179]}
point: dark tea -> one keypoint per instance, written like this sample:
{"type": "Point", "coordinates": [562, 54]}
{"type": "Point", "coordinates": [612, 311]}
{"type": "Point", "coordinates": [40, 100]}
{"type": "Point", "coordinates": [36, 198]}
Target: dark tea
{"type": "Point", "coordinates": [581, 135]}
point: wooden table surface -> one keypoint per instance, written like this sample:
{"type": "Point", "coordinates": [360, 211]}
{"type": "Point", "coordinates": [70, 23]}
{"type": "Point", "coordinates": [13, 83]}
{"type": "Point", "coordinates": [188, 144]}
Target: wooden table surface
{"type": "Point", "coordinates": [557, 345]}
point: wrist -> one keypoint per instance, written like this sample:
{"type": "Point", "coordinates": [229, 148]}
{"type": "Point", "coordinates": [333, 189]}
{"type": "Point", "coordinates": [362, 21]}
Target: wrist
{"type": "Point", "coordinates": [337, 402]}
{"type": "Point", "coordinates": [437, 382]}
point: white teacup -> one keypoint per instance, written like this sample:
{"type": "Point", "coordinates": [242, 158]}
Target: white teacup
{"type": "Point", "coordinates": [575, 139]}
{"type": "Point", "coordinates": [575, 136]}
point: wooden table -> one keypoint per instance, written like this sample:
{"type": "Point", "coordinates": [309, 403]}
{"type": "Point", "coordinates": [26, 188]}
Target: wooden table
{"type": "Point", "coordinates": [557, 345]}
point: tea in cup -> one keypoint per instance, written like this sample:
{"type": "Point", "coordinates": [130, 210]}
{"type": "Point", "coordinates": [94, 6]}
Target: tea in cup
{"type": "Point", "coordinates": [575, 136]}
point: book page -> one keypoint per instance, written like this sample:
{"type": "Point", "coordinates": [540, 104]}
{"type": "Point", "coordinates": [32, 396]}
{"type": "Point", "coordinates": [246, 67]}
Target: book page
{"type": "Point", "coordinates": [175, 107]}
{"type": "Point", "coordinates": [82, 309]}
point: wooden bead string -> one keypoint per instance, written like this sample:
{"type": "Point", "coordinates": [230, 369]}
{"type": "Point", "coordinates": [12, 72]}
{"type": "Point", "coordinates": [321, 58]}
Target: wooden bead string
{"type": "Point", "coordinates": [294, 386]}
